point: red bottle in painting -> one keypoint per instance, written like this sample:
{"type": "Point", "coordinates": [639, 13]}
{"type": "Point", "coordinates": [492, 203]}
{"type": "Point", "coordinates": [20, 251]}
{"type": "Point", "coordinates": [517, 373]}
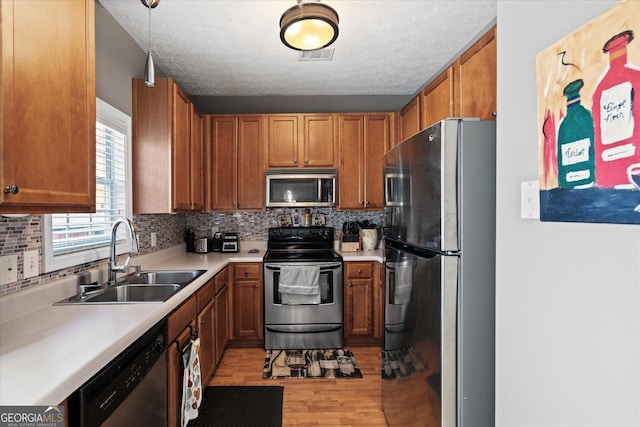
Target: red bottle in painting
{"type": "Point", "coordinates": [616, 118]}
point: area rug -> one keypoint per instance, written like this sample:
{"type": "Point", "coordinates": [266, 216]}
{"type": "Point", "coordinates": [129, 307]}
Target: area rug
{"type": "Point", "coordinates": [326, 363]}
{"type": "Point", "coordinates": [240, 406]}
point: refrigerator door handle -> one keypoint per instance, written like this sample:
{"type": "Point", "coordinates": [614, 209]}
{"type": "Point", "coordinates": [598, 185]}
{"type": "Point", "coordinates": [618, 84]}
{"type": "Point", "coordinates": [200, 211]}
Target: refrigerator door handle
{"type": "Point", "coordinates": [417, 250]}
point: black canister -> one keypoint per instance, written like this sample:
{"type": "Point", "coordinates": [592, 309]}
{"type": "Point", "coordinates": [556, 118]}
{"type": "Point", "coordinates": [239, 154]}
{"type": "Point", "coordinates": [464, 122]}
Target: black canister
{"type": "Point", "coordinates": [190, 238]}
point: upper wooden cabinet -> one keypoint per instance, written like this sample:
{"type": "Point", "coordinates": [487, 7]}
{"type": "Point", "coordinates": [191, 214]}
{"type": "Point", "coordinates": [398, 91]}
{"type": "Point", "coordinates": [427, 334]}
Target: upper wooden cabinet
{"type": "Point", "coordinates": [467, 88]}
{"type": "Point", "coordinates": [301, 140]}
{"type": "Point", "coordinates": [48, 134]}
{"type": "Point", "coordinates": [363, 140]}
{"type": "Point", "coordinates": [409, 119]}
{"type": "Point", "coordinates": [477, 73]}
{"type": "Point", "coordinates": [437, 100]}
{"type": "Point", "coordinates": [235, 156]}
{"type": "Point", "coordinates": [164, 179]}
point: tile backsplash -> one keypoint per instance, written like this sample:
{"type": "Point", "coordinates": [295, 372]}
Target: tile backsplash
{"type": "Point", "coordinates": [19, 234]}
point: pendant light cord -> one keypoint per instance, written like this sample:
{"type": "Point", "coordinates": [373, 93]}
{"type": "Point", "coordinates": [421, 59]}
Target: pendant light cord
{"type": "Point", "coordinates": [149, 6]}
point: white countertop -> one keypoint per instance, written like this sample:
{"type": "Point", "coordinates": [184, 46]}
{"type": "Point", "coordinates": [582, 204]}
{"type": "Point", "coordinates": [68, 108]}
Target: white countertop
{"type": "Point", "coordinates": [47, 351]}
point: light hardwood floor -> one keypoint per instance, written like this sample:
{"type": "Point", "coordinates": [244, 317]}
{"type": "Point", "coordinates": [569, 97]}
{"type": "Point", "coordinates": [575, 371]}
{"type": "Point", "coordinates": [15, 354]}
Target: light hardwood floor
{"type": "Point", "coordinates": [317, 402]}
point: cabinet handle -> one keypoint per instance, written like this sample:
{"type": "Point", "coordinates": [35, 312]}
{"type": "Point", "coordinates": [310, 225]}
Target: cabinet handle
{"type": "Point", "coordinates": [295, 162]}
{"type": "Point", "coordinates": [202, 322]}
{"type": "Point", "coordinates": [246, 272]}
{"type": "Point", "coordinates": [11, 189]}
{"type": "Point", "coordinates": [350, 284]}
{"type": "Point", "coordinates": [255, 286]}
{"type": "Point", "coordinates": [359, 270]}
{"type": "Point", "coordinates": [495, 113]}
{"type": "Point", "coordinates": [306, 161]}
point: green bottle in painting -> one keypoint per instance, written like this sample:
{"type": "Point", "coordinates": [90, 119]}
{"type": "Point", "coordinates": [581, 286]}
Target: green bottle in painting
{"type": "Point", "coordinates": [575, 142]}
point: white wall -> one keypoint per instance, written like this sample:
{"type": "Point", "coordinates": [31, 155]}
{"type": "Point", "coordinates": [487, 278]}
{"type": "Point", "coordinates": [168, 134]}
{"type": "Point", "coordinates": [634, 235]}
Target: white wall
{"type": "Point", "coordinates": [568, 294]}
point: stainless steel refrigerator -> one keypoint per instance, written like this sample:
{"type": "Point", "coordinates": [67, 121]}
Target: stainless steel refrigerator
{"type": "Point", "coordinates": [439, 235]}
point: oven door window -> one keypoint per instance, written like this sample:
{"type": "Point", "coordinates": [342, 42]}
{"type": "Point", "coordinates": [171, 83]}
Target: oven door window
{"type": "Point", "coordinates": [325, 284]}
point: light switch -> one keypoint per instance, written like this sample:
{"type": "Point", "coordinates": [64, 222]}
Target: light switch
{"type": "Point", "coordinates": [153, 240]}
{"type": "Point", "coordinates": [31, 264]}
{"type": "Point", "coordinates": [530, 199]}
{"type": "Point", "coordinates": [8, 269]}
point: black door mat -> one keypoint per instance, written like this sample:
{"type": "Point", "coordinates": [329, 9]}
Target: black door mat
{"type": "Point", "coordinates": [240, 406]}
{"type": "Point", "coordinates": [325, 363]}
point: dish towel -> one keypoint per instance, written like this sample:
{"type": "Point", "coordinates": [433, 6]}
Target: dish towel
{"type": "Point", "coordinates": [191, 382]}
{"type": "Point", "coordinates": [299, 284]}
{"type": "Point", "coordinates": [403, 284]}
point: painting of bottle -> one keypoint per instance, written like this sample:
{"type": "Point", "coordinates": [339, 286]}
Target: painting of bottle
{"type": "Point", "coordinates": [616, 118]}
{"type": "Point", "coordinates": [575, 142]}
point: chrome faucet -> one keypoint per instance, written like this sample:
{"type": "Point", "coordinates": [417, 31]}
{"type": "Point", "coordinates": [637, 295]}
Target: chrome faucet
{"type": "Point", "coordinates": [114, 268]}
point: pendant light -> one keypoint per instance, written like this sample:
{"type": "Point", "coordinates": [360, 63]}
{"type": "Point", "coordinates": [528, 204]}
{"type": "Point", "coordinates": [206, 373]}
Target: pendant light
{"type": "Point", "coordinates": [149, 69]}
{"type": "Point", "coordinates": [309, 26]}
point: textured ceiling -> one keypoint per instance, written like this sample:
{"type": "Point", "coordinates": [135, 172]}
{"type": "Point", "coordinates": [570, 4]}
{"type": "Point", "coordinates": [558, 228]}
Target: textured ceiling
{"type": "Point", "coordinates": [225, 48]}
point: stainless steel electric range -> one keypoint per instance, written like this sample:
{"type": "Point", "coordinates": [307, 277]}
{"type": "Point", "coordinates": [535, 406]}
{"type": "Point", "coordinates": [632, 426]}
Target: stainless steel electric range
{"type": "Point", "coordinates": [314, 321]}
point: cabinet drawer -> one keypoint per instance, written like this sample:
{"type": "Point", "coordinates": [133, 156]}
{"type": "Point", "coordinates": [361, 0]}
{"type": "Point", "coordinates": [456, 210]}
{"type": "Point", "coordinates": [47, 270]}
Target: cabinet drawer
{"type": "Point", "coordinates": [220, 280]}
{"type": "Point", "coordinates": [359, 269]}
{"type": "Point", "coordinates": [204, 295]}
{"type": "Point", "coordinates": [180, 318]}
{"type": "Point", "coordinates": [247, 271]}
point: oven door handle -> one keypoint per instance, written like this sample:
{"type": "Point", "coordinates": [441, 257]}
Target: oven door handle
{"type": "Point", "coordinates": [323, 267]}
{"type": "Point", "coordinates": [307, 329]}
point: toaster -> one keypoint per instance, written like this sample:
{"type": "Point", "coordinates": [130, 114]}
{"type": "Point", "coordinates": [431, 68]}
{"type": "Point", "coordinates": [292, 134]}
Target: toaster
{"type": "Point", "coordinates": [230, 242]}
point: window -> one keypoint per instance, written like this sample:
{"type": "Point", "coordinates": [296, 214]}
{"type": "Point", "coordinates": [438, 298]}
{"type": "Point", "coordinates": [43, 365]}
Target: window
{"type": "Point", "coordinates": [72, 239]}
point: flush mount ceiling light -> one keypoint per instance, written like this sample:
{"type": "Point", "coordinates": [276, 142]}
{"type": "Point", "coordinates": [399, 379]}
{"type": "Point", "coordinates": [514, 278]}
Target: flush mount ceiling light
{"type": "Point", "coordinates": [309, 26]}
{"type": "Point", "coordinates": [149, 69]}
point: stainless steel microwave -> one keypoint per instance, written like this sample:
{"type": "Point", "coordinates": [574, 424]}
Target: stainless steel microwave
{"type": "Point", "coordinates": [296, 188]}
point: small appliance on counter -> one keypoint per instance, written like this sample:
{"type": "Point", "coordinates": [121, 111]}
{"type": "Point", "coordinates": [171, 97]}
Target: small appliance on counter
{"type": "Point", "coordinates": [230, 242]}
{"type": "Point", "coordinates": [190, 239]}
{"type": "Point", "coordinates": [350, 240]}
{"type": "Point", "coordinates": [216, 242]}
{"type": "Point", "coordinates": [202, 245]}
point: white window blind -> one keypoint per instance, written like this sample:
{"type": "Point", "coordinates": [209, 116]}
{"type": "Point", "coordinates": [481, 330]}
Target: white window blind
{"type": "Point", "coordinates": [71, 239]}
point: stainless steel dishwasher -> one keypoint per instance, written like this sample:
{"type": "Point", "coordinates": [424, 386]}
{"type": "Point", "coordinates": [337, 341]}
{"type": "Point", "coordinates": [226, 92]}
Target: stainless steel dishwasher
{"type": "Point", "coordinates": [130, 390]}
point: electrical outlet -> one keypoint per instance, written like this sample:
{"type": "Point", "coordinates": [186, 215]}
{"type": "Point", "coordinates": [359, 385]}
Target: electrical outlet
{"type": "Point", "coordinates": [153, 240]}
{"type": "Point", "coordinates": [8, 269]}
{"type": "Point", "coordinates": [31, 265]}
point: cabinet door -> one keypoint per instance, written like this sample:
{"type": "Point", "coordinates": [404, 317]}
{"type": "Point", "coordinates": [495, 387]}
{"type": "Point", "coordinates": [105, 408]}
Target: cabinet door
{"type": "Point", "coordinates": [48, 127]}
{"type": "Point", "coordinates": [222, 323]}
{"type": "Point", "coordinates": [409, 119]}
{"type": "Point", "coordinates": [283, 141]}
{"type": "Point", "coordinates": [377, 134]}
{"type": "Point", "coordinates": [248, 309]}
{"type": "Point", "coordinates": [206, 332]}
{"type": "Point", "coordinates": [197, 164]}
{"type": "Point", "coordinates": [358, 321]}
{"type": "Point", "coordinates": [152, 146]}
{"type": "Point", "coordinates": [174, 377]}
{"type": "Point", "coordinates": [478, 74]}
{"type": "Point", "coordinates": [181, 173]}
{"type": "Point", "coordinates": [438, 99]}
{"type": "Point", "coordinates": [318, 140]}
{"type": "Point", "coordinates": [224, 131]}
{"type": "Point", "coordinates": [250, 175]}
{"type": "Point", "coordinates": [351, 142]}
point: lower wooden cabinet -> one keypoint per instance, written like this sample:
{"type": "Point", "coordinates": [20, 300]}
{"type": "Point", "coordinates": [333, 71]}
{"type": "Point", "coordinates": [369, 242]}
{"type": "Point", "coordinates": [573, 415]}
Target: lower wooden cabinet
{"type": "Point", "coordinates": [204, 314]}
{"type": "Point", "coordinates": [362, 303]}
{"type": "Point", "coordinates": [181, 327]}
{"type": "Point", "coordinates": [248, 322]}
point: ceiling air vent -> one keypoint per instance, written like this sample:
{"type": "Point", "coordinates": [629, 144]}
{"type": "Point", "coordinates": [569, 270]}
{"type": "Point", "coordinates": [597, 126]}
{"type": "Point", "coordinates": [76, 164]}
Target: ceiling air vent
{"type": "Point", "coordinates": [316, 55]}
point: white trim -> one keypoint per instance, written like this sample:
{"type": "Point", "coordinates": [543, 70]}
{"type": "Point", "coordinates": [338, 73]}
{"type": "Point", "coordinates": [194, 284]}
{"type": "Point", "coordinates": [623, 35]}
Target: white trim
{"type": "Point", "coordinates": [116, 119]}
